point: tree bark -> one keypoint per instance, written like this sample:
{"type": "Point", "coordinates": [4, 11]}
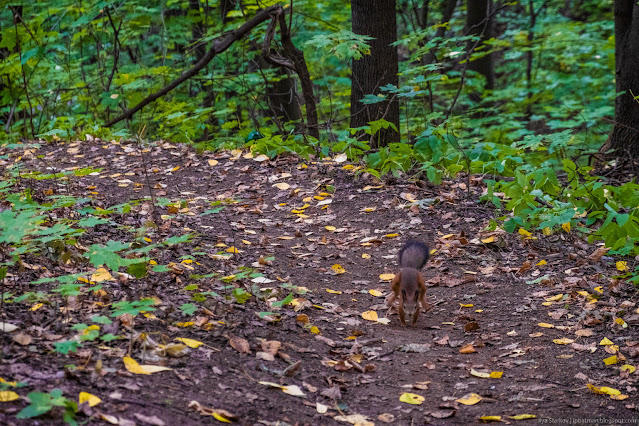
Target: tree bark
{"type": "Point", "coordinates": [479, 22]}
{"type": "Point", "coordinates": [625, 134]}
{"type": "Point", "coordinates": [375, 18]}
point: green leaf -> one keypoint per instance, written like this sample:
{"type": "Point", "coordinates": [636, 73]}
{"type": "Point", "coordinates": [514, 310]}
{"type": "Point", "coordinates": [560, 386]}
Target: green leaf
{"type": "Point", "coordinates": [67, 346]}
{"type": "Point", "coordinates": [188, 309]}
{"type": "Point", "coordinates": [284, 301]}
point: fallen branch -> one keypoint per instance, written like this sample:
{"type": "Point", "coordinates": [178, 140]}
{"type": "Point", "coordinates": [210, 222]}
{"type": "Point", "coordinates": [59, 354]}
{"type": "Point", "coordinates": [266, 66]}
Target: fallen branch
{"type": "Point", "coordinates": [218, 47]}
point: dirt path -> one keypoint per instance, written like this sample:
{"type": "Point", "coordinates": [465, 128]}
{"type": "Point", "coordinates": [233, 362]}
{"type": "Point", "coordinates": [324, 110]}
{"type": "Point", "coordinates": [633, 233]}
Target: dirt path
{"type": "Point", "coordinates": [490, 291]}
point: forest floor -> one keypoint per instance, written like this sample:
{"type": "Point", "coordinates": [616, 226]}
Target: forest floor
{"type": "Point", "coordinates": [538, 309]}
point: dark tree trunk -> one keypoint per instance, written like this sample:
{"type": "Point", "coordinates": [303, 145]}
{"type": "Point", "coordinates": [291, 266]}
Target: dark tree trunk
{"type": "Point", "coordinates": [197, 31]}
{"type": "Point", "coordinates": [625, 134]}
{"type": "Point", "coordinates": [375, 18]}
{"type": "Point", "coordinates": [479, 22]}
{"type": "Point", "coordinates": [284, 100]}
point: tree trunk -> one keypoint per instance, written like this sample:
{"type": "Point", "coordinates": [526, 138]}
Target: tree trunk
{"type": "Point", "coordinates": [625, 134]}
{"type": "Point", "coordinates": [375, 18]}
{"type": "Point", "coordinates": [479, 23]}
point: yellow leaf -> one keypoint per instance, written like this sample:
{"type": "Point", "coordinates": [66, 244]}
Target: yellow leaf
{"type": "Point", "coordinates": [185, 324]}
{"type": "Point", "coordinates": [370, 315]}
{"type": "Point", "coordinates": [36, 306]}
{"type": "Point", "coordinates": [101, 274]}
{"type": "Point", "coordinates": [599, 290]}
{"type": "Point", "coordinates": [611, 360]}
{"type": "Point", "coordinates": [12, 384]}
{"type": "Point", "coordinates": [133, 367]}
{"type": "Point", "coordinates": [622, 265]}
{"type": "Point", "coordinates": [232, 250]}
{"type": "Point", "coordinates": [315, 330]}
{"type": "Point", "coordinates": [496, 374]}
{"type": "Point", "coordinates": [488, 240]}
{"type": "Point", "coordinates": [375, 293]}
{"type": "Point", "coordinates": [330, 228]}
{"type": "Point", "coordinates": [630, 368]}
{"type": "Point", "coordinates": [189, 342]}
{"type": "Point", "coordinates": [175, 169]}
{"type": "Point", "coordinates": [618, 397]}
{"type": "Point", "coordinates": [368, 209]}
{"type": "Point", "coordinates": [387, 277]}
{"type": "Point", "coordinates": [481, 374]}
{"type": "Point", "coordinates": [213, 162]}
{"type": "Point", "coordinates": [366, 256]}
{"type": "Point", "coordinates": [219, 417]}
{"type": "Point", "coordinates": [333, 291]}
{"type": "Point", "coordinates": [605, 342]}
{"type": "Point", "coordinates": [391, 235]}
{"type": "Point", "coordinates": [470, 399]}
{"type": "Point", "coordinates": [523, 232]}
{"type": "Point", "coordinates": [87, 397]}
{"type": "Point", "coordinates": [545, 325]}
{"type": "Point", "coordinates": [609, 391]}
{"type": "Point", "coordinates": [490, 418]}
{"type": "Point", "coordinates": [348, 167]}
{"type": "Point", "coordinates": [555, 298]}
{"type": "Point", "coordinates": [8, 396]}
{"type": "Point", "coordinates": [541, 263]}
{"type": "Point", "coordinates": [566, 226]}
{"type": "Point", "coordinates": [621, 322]}
{"type": "Point", "coordinates": [411, 398]}
{"type": "Point", "coordinates": [468, 305]}
{"type": "Point", "coordinates": [563, 341]}
{"type": "Point", "coordinates": [523, 417]}
{"type": "Point", "coordinates": [154, 368]}
{"type": "Point", "coordinates": [338, 269]}
{"type": "Point", "coordinates": [546, 231]}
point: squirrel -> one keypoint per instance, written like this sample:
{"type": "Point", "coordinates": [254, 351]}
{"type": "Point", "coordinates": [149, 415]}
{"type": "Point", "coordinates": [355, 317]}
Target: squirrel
{"type": "Point", "coordinates": [409, 285]}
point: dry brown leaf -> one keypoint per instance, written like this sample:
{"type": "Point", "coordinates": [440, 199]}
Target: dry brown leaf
{"type": "Point", "coordinates": [239, 344]}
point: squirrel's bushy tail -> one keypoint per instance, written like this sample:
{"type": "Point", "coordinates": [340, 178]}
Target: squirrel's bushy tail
{"type": "Point", "coordinates": [414, 254]}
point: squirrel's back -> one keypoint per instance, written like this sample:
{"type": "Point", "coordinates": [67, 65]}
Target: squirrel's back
{"type": "Point", "coordinates": [414, 254]}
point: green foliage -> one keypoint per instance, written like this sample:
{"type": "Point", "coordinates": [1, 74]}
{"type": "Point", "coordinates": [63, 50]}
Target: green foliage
{"type": "Point", "coordinates": [41, 403]}
{"type": "Point", "coordinates": [132, 307]}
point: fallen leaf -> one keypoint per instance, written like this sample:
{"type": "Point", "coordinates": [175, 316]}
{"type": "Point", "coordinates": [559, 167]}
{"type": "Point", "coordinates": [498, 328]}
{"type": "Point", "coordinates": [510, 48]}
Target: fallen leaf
{"type": "Point", "coordinates": [523, 417]}
{"type": "Point", "coordinates": [338, 269]}
{"type": "Point", "coordinates": [7, 328]}
{"type": "Point", "coordinates": [133, 367]}
{"type": "Point", "coordinates": [470, 399]}
{"type": "Point", "coordinates": [8, 396]}
{"type": "Point", "coordinates": [87, 397]}
{"type": "Point", "coordinates": [387, 277]}
{"type": "Point", "coordinates": [467, 349]}
{"type": "Point", "coordinates": [370, 315]}
{"type": "Point", "coordinates": [282, 186]}
{"type": "Point", "coordinates": [563, 341]}
{"type": "Point", "coordinates": [239, 344]}
{"type": "Point", "coordinates": [22, 339]}
{"type": "Point", "coordinates": [412, 398]}
{"type": "Point", "coordinates": [189, 342]}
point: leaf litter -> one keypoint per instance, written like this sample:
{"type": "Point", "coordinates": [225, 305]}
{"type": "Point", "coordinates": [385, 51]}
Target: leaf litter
{"type": "Point", "coordinates": [270, 238]}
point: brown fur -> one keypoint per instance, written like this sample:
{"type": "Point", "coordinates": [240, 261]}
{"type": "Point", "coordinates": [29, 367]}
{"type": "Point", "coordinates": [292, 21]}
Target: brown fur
{"type": "Point", "coordinates": [408, 286]}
